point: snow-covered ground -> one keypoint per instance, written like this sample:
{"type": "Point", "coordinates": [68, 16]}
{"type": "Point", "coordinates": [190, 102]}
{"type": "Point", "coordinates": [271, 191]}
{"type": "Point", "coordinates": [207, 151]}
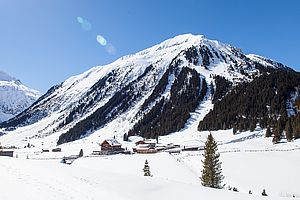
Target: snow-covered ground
{"type": "Point", "coordinates": [121, 177]}
{"type": "Point", "coordinates": [249, 162]}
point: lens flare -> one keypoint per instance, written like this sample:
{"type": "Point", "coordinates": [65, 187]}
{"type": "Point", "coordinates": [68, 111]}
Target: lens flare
{"type": "Point", "coordinates": [80, 20]}
{"type": "Point", "coordinates": [110, 49]}
{"type": "Point", "coordinates": [85, 24]}
{"type": "Point", "coordinates": [101, 40]}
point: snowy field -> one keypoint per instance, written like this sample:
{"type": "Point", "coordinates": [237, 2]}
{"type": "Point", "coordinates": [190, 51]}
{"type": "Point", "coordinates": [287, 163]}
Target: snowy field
{"type": "Point", "coordinates": [249, 162]}
{"type": "Point", "coordinates": [120, 177]}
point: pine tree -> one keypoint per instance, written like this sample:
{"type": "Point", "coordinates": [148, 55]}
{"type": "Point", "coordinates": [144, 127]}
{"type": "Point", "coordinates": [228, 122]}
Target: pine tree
{"type": "Point", "coordinates": [252, 125]}
{"type": "Point", "coordinates": [277, 133]}
{"type": "Point", "coordinates": [212, 89]}
{"type": "Point", "coordinates": [146, 169]}
{"type": "Point", "coordinates": [212, 172]}
{"type": "Point", "coordinates": [125, 137]}
{"type": "Point", "coordinates": [234, 130]}
{"type": "Point", "coordinates": [296, 127]}
{"type": "Point", "coordinates": [288, 131]}
{"type": "Point", "coordinates": [268, 132]}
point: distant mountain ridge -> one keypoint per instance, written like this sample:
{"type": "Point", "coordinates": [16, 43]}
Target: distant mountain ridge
{"type": "Point", "coordinates": [14, 96]}
{"type": "Point", "coordinates": [150, 93]}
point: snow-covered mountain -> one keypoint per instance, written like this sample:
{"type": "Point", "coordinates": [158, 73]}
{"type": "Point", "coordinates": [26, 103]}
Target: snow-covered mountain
{"type": "Point", "coordinates": [163, 87]}
{"type": "Point", "coordinates": [14, 96]}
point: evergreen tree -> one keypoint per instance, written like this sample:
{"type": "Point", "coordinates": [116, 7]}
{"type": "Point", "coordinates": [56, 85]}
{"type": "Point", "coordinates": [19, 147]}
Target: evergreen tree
{"type": "Point", "coordinates": [288, 131]}
{"type": "Point", "coordinates": [80, 153]}
{"type": "Point", "coordinates": [146, 169]}
{"type": "Point", "coordinates": [212, 89]}
{"type": "Point", "coordinates": [234, 130]}
{"type": "Point", "coordinates": [296, 126]}
{"type": "Point", "coordinates": [252, 125]}
{"type": "Point", "coordinates": [277, 133]}
{"type": "Point", "coordinates": [297, 132]}
{"type": "Point", "coordinates": [276, 139]}
{"type": "Point", "coordinates": [125, 137]}
{"type": "Point", "coordinates": [212, 172]}
{"type": "Point", "coordinates": [268, 132]}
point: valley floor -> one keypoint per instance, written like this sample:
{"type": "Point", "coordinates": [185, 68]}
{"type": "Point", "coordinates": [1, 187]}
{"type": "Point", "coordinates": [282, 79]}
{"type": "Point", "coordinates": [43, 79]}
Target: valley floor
{"type": "Point", "coordinates": [120, 177]}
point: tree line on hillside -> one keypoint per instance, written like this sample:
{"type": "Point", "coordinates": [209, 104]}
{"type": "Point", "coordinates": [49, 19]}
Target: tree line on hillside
{"type": "Point", "coordinates": [222, 87]}
{"type": "Point", "coordinates": [170, 115]}
{"type": "Point", "coordinates": [120, 102]}
{"type": "Point", "coordinates": [261, 102]}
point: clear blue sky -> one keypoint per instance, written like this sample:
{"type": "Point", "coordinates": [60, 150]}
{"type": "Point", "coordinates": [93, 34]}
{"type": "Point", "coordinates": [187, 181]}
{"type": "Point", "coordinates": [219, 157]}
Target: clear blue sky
{"type": "Point", "coordinates": [42, 42]}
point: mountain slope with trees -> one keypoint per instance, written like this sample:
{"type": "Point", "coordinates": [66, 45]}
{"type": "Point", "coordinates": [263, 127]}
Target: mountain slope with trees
{"type": "Point", "coordinates": [268, 101]}
{"type": "Point", "coordinates": [153, 93]}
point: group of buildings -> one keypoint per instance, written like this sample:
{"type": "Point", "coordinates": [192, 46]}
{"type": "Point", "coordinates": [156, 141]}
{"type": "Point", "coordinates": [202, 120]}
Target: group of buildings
{"type": "Point", "coordinates": [6, 152]}
{"type": "Point", "coordinates": [112, 146]}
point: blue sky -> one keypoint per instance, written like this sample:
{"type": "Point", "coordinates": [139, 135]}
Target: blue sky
{"type": "Point", "coordinates": [42, 42]}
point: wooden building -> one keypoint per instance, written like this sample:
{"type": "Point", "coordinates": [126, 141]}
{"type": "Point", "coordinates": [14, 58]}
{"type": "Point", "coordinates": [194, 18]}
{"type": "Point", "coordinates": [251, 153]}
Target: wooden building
{"type": "Point", "coordinates": [145, 142]}
{"type": "Point", "coordinates": [145, 149]}
{"type": "Point", "coordinates": [111, 146]}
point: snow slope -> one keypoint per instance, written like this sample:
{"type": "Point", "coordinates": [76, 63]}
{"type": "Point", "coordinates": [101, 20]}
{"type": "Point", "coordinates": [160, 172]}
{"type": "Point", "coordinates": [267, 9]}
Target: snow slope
{"type": "Point", "coordinates": [250, 161]}
{"type": "Point", "coordinates": [121, 178]}
{"type": "Point", "coordinates": [74, 100]}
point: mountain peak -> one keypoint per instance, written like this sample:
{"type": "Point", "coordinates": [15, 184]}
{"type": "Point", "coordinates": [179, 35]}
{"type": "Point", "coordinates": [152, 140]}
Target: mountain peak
{"type": "Point", "coordinates": [14, 96]}
{"type": "Point", "coordinates": [141, 93]}
{"type": "Point", "coordinates": [184, 38]}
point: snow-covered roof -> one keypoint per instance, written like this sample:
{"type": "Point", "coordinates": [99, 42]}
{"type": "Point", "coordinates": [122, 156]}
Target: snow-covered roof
{"type": "Point", "coordinates": [112, 142]}
{"type": "Point", "coordinates": [141, 146]}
